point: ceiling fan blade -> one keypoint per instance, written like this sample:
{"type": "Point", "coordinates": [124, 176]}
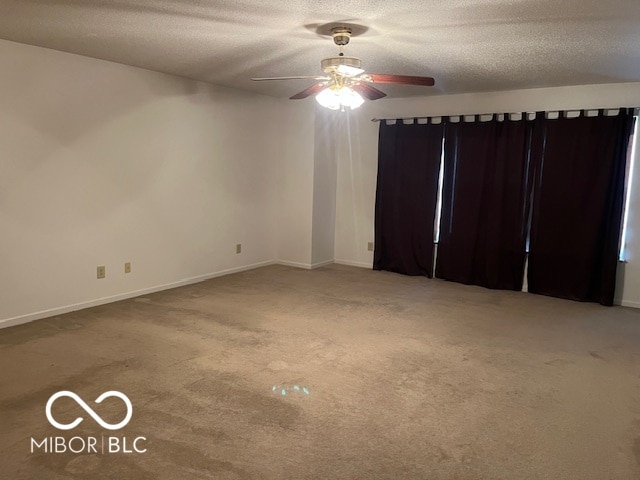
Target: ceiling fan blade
{"type": "Point", "coordinates": [369, 92]}
{"type": "Point", "coordinates": [290, 78]}
{"type": "Point", "coordinates": [309, 91]}
{"type": "Point", "coordinates": [400, 79]}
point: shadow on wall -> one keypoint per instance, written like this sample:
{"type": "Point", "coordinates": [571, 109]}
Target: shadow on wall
{"type": "Point", "coordinates": [65, 116]}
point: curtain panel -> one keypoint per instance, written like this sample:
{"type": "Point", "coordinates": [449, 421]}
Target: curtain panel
{"type": "Point", "coordinates": [485, 203]}
{"type": "Point", "coordinates": [556, 184]}
{"type": "Point", "coordinates": [406, 196]}
{"type": "Point", "coordinates": [578, 204]}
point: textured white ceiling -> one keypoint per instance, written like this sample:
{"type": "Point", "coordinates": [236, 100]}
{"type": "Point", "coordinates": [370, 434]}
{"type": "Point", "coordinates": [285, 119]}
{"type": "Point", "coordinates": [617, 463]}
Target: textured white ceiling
{"type": "Point", "coordinates": [466, 45]}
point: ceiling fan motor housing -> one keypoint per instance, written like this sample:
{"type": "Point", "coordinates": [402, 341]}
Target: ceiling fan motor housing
{"type": "Point", "coordinates": [331, 64]}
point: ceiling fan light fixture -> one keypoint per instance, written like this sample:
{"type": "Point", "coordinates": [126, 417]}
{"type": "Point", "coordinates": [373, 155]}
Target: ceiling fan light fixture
{"type": "Point", "coordinates": [350, 98]}
{"type": "Point", "coordinates": [329, 98]}
{"type": "Point", "coordinates": [338, 99]}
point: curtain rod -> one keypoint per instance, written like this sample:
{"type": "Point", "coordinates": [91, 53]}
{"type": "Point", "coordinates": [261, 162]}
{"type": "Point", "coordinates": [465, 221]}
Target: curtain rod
{"type": "Point", "coordinates": [636, 110]}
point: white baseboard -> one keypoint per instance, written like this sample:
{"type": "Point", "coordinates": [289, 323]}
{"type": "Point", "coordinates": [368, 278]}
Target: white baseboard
{"type": "Point", "coordinates": [286, 263]}
{"type": "Point", "coordinates": [353, 264]}
{"type": "Point", "coordinates": [321, 264]}
{"type": "Point", "coordinates": [629, 303]}
{"type": "Point", "coordinates": [10, 322]}
{"type": "Point", "coordinates": [306, 266]}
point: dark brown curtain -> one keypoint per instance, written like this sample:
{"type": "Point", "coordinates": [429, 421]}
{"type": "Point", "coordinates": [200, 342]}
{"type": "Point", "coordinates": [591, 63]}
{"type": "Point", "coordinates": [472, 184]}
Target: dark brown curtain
{"type": "Point", "coordinates": [485, 204]}
{"type": "Point", "coordinates": [408, 168]}
{"type": "Point", "coordinates": [578, 202]}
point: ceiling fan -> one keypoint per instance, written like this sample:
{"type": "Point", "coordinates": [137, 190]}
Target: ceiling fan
{"type": "Point", "coordinates": [346, 83]}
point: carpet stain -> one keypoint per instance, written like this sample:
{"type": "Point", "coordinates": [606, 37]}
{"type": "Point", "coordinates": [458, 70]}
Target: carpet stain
{"type": "Point", "coordinates": [79, 381]}
{"type": "Point", "coordinates": [636, 449]}
{"type": "Point", "coordinates": [182, 424]}
{"type": "Point", "coordinates": [185, 455]}
{"type": "Point", "coordinates": [596, 355]}
{"type": "Point", "coordinates": [38, 330]}
{"type": "Point", "coordinates": [278, 365]}
{"type": "Point", "coordinates": [443, 455]}
{"type": "Point", "coordinates": [83, 464]}
{"type": "Point", "coordinates": [225, 393]}
{"type": "Point", "coordinates": [558, 362]}
{"type": "Point", "coordinates": [71, 465]}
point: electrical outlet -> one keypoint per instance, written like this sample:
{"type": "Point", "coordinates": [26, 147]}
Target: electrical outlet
{"type": "Point", "coordinates": [239, 248]}
{"type": "Point", "coordinates": [102, 271]}
{"type": "Point", "coordinates": [127, 267]}
{"type": "Point", "coordinates": [370, 246]}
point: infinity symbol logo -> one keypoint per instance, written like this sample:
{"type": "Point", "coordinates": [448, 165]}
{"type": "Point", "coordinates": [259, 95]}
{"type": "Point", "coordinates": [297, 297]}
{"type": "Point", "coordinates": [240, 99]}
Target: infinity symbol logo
{"type": "Point", "coordinates": [89, 410]}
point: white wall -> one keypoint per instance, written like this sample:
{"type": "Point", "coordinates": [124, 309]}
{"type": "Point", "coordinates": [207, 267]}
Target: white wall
{"type": "Point", "coordinates": [294, 170]}
{"type": "Point", "coordinates": [357, 159]}
{"type": "Point", "coordinates": [307, 185]}
{"type": "Point", "coordinates": [356, 186]}
{"type": "Point", "coordinates": [103, 163]}
{"type": "Point", "coordinates": [328, 124]}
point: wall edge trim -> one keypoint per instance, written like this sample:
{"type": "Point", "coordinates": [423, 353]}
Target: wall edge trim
{"type": "Point", "coordinates": [353, 264]}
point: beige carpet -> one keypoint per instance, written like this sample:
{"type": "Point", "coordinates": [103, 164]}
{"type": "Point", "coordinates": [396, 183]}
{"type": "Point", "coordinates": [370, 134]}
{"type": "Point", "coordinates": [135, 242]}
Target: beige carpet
{"type": "Point", "coordinates": [407, 378]}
